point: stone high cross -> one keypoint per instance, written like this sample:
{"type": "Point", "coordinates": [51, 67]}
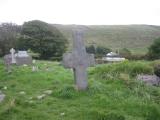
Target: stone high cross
{"type": "Point", "coordinates": [79, 60]}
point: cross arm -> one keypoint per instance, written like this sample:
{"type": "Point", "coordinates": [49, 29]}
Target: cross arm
{"type": "Point", "coordinates": [68, 60]}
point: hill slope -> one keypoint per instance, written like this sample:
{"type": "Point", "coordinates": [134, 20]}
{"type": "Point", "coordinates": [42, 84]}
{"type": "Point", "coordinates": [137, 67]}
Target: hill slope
{"type": "Point", "coordinates": [135, 37]}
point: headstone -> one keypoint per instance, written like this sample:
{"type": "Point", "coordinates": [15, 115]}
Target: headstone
{"type": "Point", "coordinates": [149, 79]}
{"type": "Point", "coordinates": [8, 62]}
{"type": "Point", "coordinates": [34, 67]}
{"type": "Point", "coordinates": [79, 60]}
{"type": "Point", "coordinates": [22, 58]}
{"type": "Point", "coordinates": [13, 59]}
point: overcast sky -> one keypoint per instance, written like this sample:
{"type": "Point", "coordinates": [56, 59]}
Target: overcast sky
{"type": "Point", "coordinates": [87, 12]}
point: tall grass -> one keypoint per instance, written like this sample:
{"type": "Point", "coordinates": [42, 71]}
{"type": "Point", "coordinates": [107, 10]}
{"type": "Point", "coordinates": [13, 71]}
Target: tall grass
{"type": "Point", "coordinates": [112, 93]}
{"type": "Point", "coordinates": [114, 70]}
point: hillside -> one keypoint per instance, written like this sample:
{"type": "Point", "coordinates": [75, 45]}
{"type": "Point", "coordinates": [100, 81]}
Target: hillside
{"type": "Point", "coordinates": [49, 94]}
{"type": "Point", "coordinates": [135, 37]}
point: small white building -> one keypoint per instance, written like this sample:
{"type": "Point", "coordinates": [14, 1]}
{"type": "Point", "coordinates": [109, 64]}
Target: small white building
{"type": "Point", "coordinates": [113, 57]}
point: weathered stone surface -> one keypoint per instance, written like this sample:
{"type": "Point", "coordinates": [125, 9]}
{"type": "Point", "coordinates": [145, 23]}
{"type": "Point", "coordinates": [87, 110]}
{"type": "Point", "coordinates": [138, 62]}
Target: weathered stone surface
{"type": "Point", "coordinates": [24, 60]}
{"type": "Point", "coordinates": [19, 58]}
{"type": "Point", "coordinates": [7, 62]}
{"type": "Point", "coordinates": [79, 60]}
{"type": "Point", "coordinates": [12, 51]}
{"type": "Point", "coordinates": [149, 79]}
{"type": "Point", "coordinates": [2, 96]}
{"type": "Point", "coordinates": [8, 59]}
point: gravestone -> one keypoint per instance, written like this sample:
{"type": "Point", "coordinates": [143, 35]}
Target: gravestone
{"type": "Point", "coordinates": [79, 60]}
{"type": "Point", "coordinates": [22, 58]}
{"type": "Point", "coordinates": [9, 59]}
{"type": "Point", "coordinates": [8, 62]}
{"type": "Point", "coordinates": [13, 60]}
{"type": "Point", "coordinates": [34, 67]}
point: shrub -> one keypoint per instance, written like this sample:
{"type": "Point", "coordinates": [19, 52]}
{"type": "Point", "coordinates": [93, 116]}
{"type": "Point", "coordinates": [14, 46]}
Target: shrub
{"type": "Point", "coordinates": [154, 50]}
{"type": "Point", "coordinates": [126, 53]}
{"type": "Point", "coordinates": [157, 70]}
{"type": "Point", "coordinates": [91, 49]}
{"type": "Point", "coordinates": [99, 51]}
{"type": "Point", "coordinates": [112, 71]}
{"type": "Point", "coordinates": [138, 57]}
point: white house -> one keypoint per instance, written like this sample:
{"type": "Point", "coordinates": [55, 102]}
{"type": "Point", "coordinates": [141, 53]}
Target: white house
{"type": "Point", "coordinates": [113, 57]}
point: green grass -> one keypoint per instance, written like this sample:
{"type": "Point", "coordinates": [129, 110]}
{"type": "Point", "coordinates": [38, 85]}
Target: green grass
{"type": "Point", "coordinates": [117, 97]}
{"type": "Point", "coordinates": [136, 38]}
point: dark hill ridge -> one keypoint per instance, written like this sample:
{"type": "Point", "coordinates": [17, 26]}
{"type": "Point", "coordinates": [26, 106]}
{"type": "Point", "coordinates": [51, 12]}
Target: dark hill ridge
{"type": "Point", "coordinates": [135, 37]}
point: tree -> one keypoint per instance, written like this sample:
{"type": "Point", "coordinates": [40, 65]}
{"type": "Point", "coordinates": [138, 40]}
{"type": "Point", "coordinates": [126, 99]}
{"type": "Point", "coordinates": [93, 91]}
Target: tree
{"type": "Point", "coordinates": [91, 49]}
{"type": "Point", "coordinates": [101, 51]}
{"type": "Point", "coordinates": [154, 50]}
{"type": "Point", "coordinates": [8, 36]}
{"type": "Point", "coordinates": [125, 53]}
{"type": "Point", "coordinates": [42, 38]}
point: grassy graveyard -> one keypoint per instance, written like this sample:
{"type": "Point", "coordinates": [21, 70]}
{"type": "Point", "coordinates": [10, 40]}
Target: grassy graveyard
{"type": "Point", "coordinates": [49, 93]}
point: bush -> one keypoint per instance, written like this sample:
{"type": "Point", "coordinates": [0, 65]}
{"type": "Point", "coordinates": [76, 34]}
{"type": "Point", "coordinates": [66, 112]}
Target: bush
{"type": "Point", "coordinates": [91, 49]}
{"type": "Point", "coordinates": [102, 51]}
{"type": "Point", "coordinates": [154, 50]}
{"type": "Point", "coordinates": [99, 51]}
{"type": "Point", "coordinates": [157, 70]}
{"type": "Point", "coordinates": [138, 57]}
{"type": "Point", "coordinates": [34, 55]}
{"type": "Point", "coordinates": [112, 71]}
{"type": "Point", "coordinates": [126, 53]}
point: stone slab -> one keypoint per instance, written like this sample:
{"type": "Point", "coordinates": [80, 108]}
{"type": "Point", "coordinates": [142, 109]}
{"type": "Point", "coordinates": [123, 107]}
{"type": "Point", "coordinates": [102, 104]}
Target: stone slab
{"type": "Point", "coordinates": [24, 60]}
{"type": "Point", "coordinates": [149, 79]}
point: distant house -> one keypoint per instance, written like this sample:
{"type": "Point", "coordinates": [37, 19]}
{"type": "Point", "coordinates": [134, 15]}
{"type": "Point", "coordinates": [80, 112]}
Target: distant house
{"type": "Point", "coordinates": [113, 57]}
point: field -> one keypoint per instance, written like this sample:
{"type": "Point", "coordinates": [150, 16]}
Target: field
{"type": "Point", "coordinates": [113, 93]}
{"type": "Point", "coordinates": [137, 38]}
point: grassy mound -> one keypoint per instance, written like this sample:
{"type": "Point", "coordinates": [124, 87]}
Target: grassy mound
{"type": "Point", "coordinates": [114, 70]}
{"type": "Point", "coordinates": [117, 97]}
